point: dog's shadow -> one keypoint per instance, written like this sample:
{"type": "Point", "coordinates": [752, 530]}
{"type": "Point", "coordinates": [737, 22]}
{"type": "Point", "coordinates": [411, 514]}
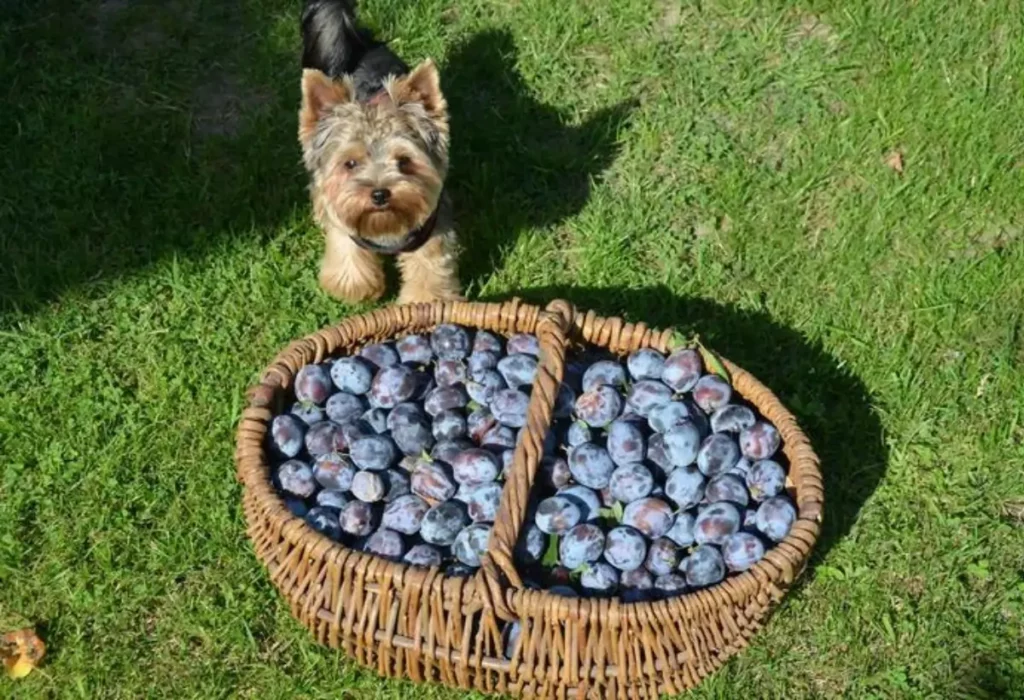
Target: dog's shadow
{"type": "Point", "coordinates": [516, 163]}
{"type": "Point", "coordinates": [830, 403]}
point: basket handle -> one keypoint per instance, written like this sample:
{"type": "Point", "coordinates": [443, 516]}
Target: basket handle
{"type": "Point", "coordinates": [498, 566]}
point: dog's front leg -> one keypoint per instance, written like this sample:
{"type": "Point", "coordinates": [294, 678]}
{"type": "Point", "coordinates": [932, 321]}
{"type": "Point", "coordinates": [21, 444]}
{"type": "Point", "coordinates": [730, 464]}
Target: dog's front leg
{"type": "Point", "coordinates": [348, 272]}
{"type": "Point", "coordinates": [431, 272]}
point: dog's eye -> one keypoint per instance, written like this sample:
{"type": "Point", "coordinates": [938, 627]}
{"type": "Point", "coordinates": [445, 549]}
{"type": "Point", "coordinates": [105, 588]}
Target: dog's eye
{"type": "Point", "coordinates": [351, 164]}
{"type": "Point", "coordinates": [404, 163]}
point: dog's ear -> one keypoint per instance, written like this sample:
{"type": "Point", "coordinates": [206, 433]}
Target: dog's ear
{"type": "Point", "coordinates": [422, 86]}
{"type": "Point", "coordinates": [320, 95]}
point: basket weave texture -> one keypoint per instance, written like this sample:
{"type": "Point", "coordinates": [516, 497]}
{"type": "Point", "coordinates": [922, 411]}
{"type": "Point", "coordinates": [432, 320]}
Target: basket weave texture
{"type": "Point", "coordinates": [420, 624]}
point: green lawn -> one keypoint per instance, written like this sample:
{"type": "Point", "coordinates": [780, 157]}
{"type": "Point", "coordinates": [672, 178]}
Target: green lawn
{"type": "Point", "coordinates": [719, 166]}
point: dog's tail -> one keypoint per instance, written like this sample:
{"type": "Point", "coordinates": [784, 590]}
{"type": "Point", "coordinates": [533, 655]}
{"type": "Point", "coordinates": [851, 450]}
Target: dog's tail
{"type": "Point", "coordinates": [332, 40]}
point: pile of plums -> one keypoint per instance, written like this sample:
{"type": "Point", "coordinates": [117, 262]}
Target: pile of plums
{"type": "Point", "coordinates": [657, 479]}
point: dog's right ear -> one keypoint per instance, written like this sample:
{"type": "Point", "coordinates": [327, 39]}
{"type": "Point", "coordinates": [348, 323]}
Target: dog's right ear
{"type": "Point", "coordinates": [320, 95]}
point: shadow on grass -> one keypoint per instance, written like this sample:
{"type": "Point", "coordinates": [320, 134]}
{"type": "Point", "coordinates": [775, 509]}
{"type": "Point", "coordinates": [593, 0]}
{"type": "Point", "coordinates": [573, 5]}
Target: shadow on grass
{"type": "Point", "coordinates": [516, 163]}
{"type": "Point", "coordinates": [831, 404]}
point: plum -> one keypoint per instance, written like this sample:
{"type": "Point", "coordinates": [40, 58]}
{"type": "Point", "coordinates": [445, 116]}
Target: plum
{"type": "Point", "coordinates": [766, 479]}
{"type": "Point", "coordinates": [334, 471]}
{"type": "Point", "coordinates": [518, 370]}
{"type": "Point", "coordinates": [646, 395]}
{"type": "Point", "coordinates": [685, 487]}
{"type": "Point", "coordinates": [471, 544]}
{"type": "Point", "coordinates": [557, 515]}
{"type": "Point", "coordinates": [590, 465]}
{"type": "Point", "coordinates": [625, 443]}
{"type": "Point", "coordinates": [380, 355]}
{"type": "Point", "coordinates": [296, 478]}
{"type": "Point", "coordinates": [650, 516]}
{"type": "Point", "coordinates": [352, 374]}
{"type": "Point", "coordinates": [376, 452]}
{"type": "Point", "coordinates": [583, 544]}
{"type": "Point", "coordinates": [604, 373]}
{"type": "Point", "coordinates": [775, 518]}
{"type": "Point", "coordinates": [760, 441]}
{"type": "Point", "coordinates": [286, 436]}
{"type": "Point", "coordinates": [630, 482]}
{"type": "Point", "coordinates": [716, 522]}
{"type": "Point", "coordinates": [732, 418]}
{"type": "Point", "coordinates": [704, 567]}
{"type": "Point", "coordinates": [599, 407]}
{"type": "Point", "coordinates": [415, 349]}
{"type": "Point", "coordinates": [718, 454]}
{"type": "Point", "coordinates": [424, 555]}
{"type": "Point", "coordinates": [711, 392]}
{"type": "Point", "coordinates": [682, 369]}
{"type": "Point", "coordinates": [443, 523]}
{"type": "Point", "coordinates": [625, 548]}
{"type": "Point", "coordinates": [450, 342]}
{"type": "Point", "coordinates": [385, 543]}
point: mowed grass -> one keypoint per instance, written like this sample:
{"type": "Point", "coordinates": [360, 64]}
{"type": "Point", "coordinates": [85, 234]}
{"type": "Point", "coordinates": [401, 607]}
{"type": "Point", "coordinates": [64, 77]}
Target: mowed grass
{"type": "Point", "coordinates": [721, 166]}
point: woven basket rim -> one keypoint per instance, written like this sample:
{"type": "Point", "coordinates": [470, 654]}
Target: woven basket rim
{"type": "Point", "coordinates": [781, 564]}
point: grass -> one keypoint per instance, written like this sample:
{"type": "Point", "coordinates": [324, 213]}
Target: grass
{"type": "Point", "coordinates": [719, 167]}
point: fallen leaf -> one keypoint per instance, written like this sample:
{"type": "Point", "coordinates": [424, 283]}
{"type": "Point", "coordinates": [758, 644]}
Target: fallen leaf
{"type": "Point", "coordinates": [895, 161]}
{"type": "Point", "coordinates": [714, 363]}
{"type": "Point", "coordinates": [21, 651]}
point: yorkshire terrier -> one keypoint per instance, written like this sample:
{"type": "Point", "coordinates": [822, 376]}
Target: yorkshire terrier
{"type": "Point", "coordinates": [374, 139]}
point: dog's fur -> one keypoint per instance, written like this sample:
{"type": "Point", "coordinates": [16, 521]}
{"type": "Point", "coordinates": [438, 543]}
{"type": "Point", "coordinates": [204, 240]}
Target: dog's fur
{"type": "Point", "coordinates": [374, 139]}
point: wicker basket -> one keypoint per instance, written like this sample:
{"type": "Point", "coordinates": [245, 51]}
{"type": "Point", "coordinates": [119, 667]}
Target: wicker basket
{"type": "Point", "coordinates": [417, 623]}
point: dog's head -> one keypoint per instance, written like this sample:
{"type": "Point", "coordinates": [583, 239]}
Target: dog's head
{"type": "Point", "coordinates": [377, 167]}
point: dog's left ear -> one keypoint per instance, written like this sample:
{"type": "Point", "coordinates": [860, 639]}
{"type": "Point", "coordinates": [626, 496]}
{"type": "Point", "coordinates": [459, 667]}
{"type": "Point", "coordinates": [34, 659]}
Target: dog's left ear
{"type": "Point", "coordinates": [422, 86]}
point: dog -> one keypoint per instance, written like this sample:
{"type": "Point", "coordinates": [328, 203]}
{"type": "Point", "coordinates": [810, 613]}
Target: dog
{"type": "Point", "coordinates": [374, 137]}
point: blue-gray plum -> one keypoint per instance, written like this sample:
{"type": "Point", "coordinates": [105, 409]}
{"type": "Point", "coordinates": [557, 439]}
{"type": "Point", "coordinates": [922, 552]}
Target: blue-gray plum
{"type": "Point", "coordinates": [450, 342]}
{"type": "Point", "coordinates": [682, 443]}
{"type": "Point", "coordinates": [475, 466]}
{"type": "Point", "coordinates": [532, 544]}
{"type": "Point", "coordinates": [669, 585]}
{"type": "Point", "coordinates": [509, 407]}
{"type": "Point", "coordinates": [424, 555]}
{"type": "Point", "coordinates": [404, 514]}
{"type": "Point", "coordinates": [443, 523]}
{"type": "Point", "coordinates": [446, 450]}
{"type": "Point", "coordinates": [385, 543]}
{"type": "Point", "coordinates": [323, 437]}
{"type": "Point", "coordinates": [652, 517]}
{"type": "Point", "coordinates": [625, 548]}
{"type": "Point", "coordinates": [590, 465]}
{"type": "Point", "coordinates": [775, 518]}
{"type": "Point", "coordinates": [510, 638]}
{"type": "Point", "coordinates": [523, 343]}
{"type": "Point", "coordinates": [716, 522]}
{"type": "Point", "coordinates": [579, 433]}
{"type": "Point", "coordinates": [296, 506]}
{"type": "Point", "coordinates": [704, 567]}
{"type": "Point", "coordinates": [482, 360]}
{"type": "Point", "coordinates": [732, 418]}
{"type": "Point", "coordinates": [450, 372]}
{"type": "Point", "coordinates": [368, 486]}
{"type": "Point", "coordinates": [604, 373]}
{"type": "Point", "coordinates": [485, 341]}
{"type": "Point", "coordinates": [393, 385]}
{"type": "Point", "coordinates": [718, 454]}
{"type": "Point", "coordinates": [741, 468]}
{"type": "Point", "coordinates": [414, 438]}
{"type": "Point", "coordinates": [380, 355]}
{"type": "Point", "coordinates": [599, 407]}
{"type": "Point", "coordinates": [760, 441]}
{"type": "Point", "coordinates": [377, 419]}
{"type": "Point", "coordinates": [657, 455]}
{"type": "Point", "coordinates": [352, 374]}
{"type": "Point", "coordinates": [483, 385]}
{"type": "Point", "coordinates": [331, 499]}
{"type": "Point", "coordinates": [711, 392]}
{"type": "Point", "coordinates": [587, 500]}
{"type": "Point", "coordinates": [685, 487]}
{"type": "Point", "coordinates": [662, 557]}
{"type": "Point", "coordinates": [358, 518]}
{"type": "Point", "coordinates": [312, 384]}
{"type": "Point", "coordinates": [645, 364]}
{"type": "Point", "coordinates": [296, 478]}
{"type": "Point", "coordinates": [482, 502]}
{"type": "Point", "coordinates": [639, 579]}
{"type": "Point", "coordinates": [668, 415]}
{"type": "Point", "coordinates": [334, 471]}
{"type": "Point", "coordinates": [433, 482]}
{"type": "Point", "coordinates": [479, 422]}
{"type": "Point", "coordinates": [555, 471]}
{"type": "Point", "coordinates": [630, 482]}
{"type": "Point", "coordinates": [646, 395]}
{"type": "Point", "coordinates": [681, 531]}
{"type": "Point", "coordinates": [324, 521]}
{"type": "Point", "coordinates": [449, 425]}
{"type": "Point", "coordinates": [727, 487]}
{"type": "Point", "coordinates": [599, 579]}
{"type": "Point", "coordinates": [415, 349]}
{"type": "Point", "coordinates": [742, 550]}
{"type": "Point", "coordinates": [308, 413]}
{"type": "Point", "coordinates": [443, 398]}
{"type": "Point", "coordinates": [355, 430]}
{"type": "Point", "coordinates": [344, 407]}
{"type": "Point", "coordinates": [376, 452]}
{"type": "Point", "coordinates": [405, 414]}
{"type": "Point", "coordinates": [625, 442]}
{"type": "Point", "coordinates": [682, 369]}
{"type": "Point", "coordinates": [507, 458]}
{"type": "Point", "coordinates": [557, 515]}
{"type": "Point", "coordinates": [286, 435]}
{"type": "Point", "coordinates": [766, 479]}
{"type": "Point", "coordinates": [518, 370]}
{"type": "Point", "coordinates": [581, 545]}
{"type": "Point", "coordinates": [471, 544]}
{"type": "Point", "coordinates": [398, 482]}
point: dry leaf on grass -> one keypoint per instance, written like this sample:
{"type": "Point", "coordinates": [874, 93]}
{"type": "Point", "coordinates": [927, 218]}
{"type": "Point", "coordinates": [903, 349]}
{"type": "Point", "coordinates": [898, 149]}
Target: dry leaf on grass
{"type": "Point", "coordinates": [895, 161]}
{"type": "Point", "coordinates": [21, 651]}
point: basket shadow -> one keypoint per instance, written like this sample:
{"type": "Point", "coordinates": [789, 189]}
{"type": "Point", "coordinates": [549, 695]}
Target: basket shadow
{"type": "Point", "coordinates": [516, 162]}
{"type": "Point", "coordinates": [831, 404]}
{"type": "Point", "coordinates": [122, 149]}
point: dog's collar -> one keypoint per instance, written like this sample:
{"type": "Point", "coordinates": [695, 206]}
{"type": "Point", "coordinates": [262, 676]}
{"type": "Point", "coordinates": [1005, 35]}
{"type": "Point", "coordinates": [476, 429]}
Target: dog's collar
{"type": "Point", "coordinates": [413, 240]}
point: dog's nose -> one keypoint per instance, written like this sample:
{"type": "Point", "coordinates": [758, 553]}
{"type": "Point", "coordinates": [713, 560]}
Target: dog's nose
{"type": "Point", "coordinates": [380, 197]}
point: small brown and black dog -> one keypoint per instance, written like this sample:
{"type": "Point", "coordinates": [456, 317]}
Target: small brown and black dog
{"type": "Point", "coordinates": [374, 139]}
